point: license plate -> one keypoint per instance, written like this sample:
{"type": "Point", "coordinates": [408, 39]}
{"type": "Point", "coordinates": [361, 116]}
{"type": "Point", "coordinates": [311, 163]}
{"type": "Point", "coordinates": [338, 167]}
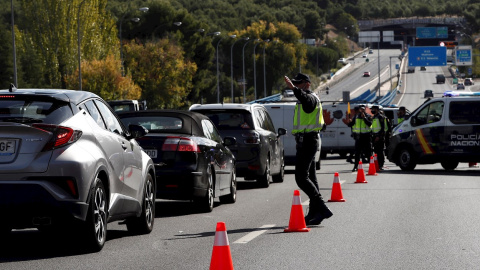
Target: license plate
{"type": "Point", "coordinates": [7, 147]}
{"type": "Point", "coordinates": [328, 135]}
{"type": "Point", "coordinates": [151, 152]}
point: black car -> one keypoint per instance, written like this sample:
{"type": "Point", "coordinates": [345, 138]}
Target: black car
{"type": "Point", "coordinates": [191, 160]}
{"type": "Point", "coordinates": [259, 152]}
{"type": "Point", "coordinates": [428, 94]}
{"type": "Point", "coordinates": [440, 78]}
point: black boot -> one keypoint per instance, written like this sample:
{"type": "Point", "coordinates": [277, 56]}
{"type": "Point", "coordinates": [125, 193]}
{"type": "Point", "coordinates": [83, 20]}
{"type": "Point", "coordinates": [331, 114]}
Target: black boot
{"type": "Point", "coordinates": [322, 212]}
{"type": "Point", "coordinates": [312, 210]}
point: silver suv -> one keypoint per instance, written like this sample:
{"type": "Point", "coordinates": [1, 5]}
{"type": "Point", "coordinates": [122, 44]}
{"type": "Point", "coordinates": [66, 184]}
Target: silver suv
{"type": "Point", "coordinates": [258, 152]}
{"type": "Point", "coordinates": [68, 164]}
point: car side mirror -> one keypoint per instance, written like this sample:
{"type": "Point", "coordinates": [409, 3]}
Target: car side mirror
{"type": "Point", "coordinates": [281, 131]}
{"type": "Point", "coordinates": [136, 131]}
{"type": "Point", "coordinates": [227, 141]}
{"type": "Point", "coordinates": [413, 121]}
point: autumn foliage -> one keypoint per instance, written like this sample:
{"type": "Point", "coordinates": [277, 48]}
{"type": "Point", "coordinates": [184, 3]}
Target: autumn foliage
{"type": "Point", "coordinates": [104, 78]}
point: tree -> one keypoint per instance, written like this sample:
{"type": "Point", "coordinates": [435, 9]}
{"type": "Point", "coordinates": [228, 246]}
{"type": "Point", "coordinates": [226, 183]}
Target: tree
{"type": "Point", "coordinates": [104, 78]}
{"type": "Point", "coordinates": [161, 71]}
{"type": "Point", "coordinates": [6, 58]}
{"type": "Point", "coordinates": [50, 27]}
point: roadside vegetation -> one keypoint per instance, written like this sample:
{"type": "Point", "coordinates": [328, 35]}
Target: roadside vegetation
{"type": "Point", "coordinates": [172, 65]}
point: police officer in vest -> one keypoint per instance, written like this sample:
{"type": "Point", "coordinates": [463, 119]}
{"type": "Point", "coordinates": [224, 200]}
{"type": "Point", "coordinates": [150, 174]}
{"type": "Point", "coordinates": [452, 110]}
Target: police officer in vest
{"type": "Point", "coordinates": [307, 123]}
{"type": "Point", "coordinates": [401, 114]}
{"type": "Point", "coordinates": [361, 125]}
{"type": "Point", "coordinates": [378, 135]}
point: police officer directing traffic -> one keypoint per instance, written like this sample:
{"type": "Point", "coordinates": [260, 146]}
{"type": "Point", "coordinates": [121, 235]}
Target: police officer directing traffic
{"type": "Point", "coordinates": [307, 123]}
{"type": "Point", "coordinates": [361, 126]}
{"type": "Point", "coordinates": [379, 127]}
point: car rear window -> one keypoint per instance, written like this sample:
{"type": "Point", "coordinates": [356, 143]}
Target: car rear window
{"type": "Point", "coordinates": [29, 110]}
{"type": "Point", "coordinates": [230, 119]}
{"type": "Point", "coordinates": [465, 112]}
{"type": "Point", "coordinates": [155, 124]}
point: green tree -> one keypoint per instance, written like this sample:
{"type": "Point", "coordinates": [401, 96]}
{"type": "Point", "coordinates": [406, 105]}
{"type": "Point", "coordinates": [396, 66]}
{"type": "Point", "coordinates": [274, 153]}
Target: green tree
{"type": "Point", "coordinates": [50, 26]}
{"type": "Point", "coordinates": [6, 57]}
{"type": "Point", "coordinates": [161, 71]}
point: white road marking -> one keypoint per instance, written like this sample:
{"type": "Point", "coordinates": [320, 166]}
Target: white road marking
{"type": "Point", "coordinates": [249, 237]}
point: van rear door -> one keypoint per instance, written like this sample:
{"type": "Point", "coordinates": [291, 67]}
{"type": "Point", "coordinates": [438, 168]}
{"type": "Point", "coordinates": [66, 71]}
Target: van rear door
{"type": "Point", "coordinates": [462, 136]}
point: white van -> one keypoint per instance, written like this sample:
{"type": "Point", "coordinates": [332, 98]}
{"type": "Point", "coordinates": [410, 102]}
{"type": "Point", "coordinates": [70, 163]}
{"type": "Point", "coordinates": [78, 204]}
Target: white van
{"type": "Point", "coordinates": [282, 117]}
{"type": "Point", "coordinates": [337, 137]}
{"type": "Point", "coordinates": [442, 130]}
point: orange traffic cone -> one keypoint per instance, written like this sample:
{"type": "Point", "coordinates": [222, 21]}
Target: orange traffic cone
{"type": "Point", "coordinates": [376, 163]}
{"type": "Point", "coordinates": [360, 174]}
{"type": "Point", "coordinates": [221, 258]}
{"type": "Point", "coordinates": [297, 219]}
{"type": "Point", "coordinates": [371, 167]}
{"type": "Point", "coordinates": [337, 195]}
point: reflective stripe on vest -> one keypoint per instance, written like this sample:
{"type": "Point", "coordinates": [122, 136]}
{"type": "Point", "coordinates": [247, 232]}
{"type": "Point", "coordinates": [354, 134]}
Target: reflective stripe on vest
{"type": "Point", "coordinates": [361, 126]}
{"type": "Point", "coordinates": [307, 122]}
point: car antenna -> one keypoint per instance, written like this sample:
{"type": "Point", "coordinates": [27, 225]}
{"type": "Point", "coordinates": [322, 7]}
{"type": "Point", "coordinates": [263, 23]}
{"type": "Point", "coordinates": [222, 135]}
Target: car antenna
{"type": "Point", "coordinates": [12, 88]}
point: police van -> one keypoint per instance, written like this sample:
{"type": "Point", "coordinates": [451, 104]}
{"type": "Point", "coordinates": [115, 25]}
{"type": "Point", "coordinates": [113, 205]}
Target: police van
{"type": "Point", "coordinates": [442, 130]}
{"type": "Point", "coordinates": [337, 137]}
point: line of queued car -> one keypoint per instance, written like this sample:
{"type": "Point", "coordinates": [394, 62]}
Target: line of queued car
{"type": "Point", "coordinates": [70, 163]}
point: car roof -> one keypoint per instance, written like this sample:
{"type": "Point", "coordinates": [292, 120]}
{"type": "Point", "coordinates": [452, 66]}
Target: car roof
{"type": "Point", "coordinates": [225, 106]}
{"type": "Point", "coordinates": [192, 119]}
{"type": "Point", "coordinates": [74, 96]}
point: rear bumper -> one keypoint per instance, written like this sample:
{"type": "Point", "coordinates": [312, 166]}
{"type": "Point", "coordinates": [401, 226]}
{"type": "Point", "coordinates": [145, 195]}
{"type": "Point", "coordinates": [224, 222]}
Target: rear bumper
{"type": "Point", "coordinates": [250, 169]}
{"type": "Point", "coordinates": [180, 185]}
{"type": "Point", "coordinates": [25, 205]}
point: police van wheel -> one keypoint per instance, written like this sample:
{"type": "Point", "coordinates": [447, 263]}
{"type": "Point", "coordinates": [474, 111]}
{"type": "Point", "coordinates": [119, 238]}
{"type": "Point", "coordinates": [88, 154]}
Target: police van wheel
{"type": "Point", "coordinates": [406, 160]}
{"type": "Point", "coordinates": [449, 165]}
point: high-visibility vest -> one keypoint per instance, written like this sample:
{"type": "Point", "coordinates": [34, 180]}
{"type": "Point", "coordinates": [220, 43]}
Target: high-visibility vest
{"type": "Point", "coordinates": [385, 124]}
{"type": "Point", "coordinates": [376, 127]}
{"type": "Point", "coordinates": [360, 126]}
{"type": "Point", "coordinates": [307, 122]}
{"type": "Point", "coordinates": [400, 120]}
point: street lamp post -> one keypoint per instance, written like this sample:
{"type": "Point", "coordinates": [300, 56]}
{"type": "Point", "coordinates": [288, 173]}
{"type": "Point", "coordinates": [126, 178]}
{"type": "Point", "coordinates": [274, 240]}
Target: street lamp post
{"type": "Point", "coordinates": [243, 78]}
{"type": "Point", "coordinates": [144, 9]}
{"type": "Point", "coordinates": [79, 51]}
{"type": "Point", "coordinates": [255, 69]}
{"type": "Point", "coordinates": [218, 74]}
{"type": "Point", "coordinates": [175, 23]}
{"type": "Point", "coordinates": [231, 65]}
{"type": "Point", "coordinates": [14, 50]}
{"type": "Point", "coordinates": [264, 70]}
{"type": "Point", "coordinates": [379, 93]}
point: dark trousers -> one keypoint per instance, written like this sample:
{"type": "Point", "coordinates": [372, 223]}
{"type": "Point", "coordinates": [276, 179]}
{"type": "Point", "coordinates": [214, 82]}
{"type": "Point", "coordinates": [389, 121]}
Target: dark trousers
{"type": "Point", "coordinates": [378, 148]}
{"type": "Point", "coordinates": [305, 172]}
{"type": "Point", "coordinates": [363, 147]}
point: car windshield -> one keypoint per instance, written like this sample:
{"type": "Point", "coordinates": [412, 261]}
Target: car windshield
{"type": "Point", "coordinates": [230, 119]}
{"type": "Point", "coordinates": [155, 123]}
{"type": "Point", "coordinates": [28, 110]}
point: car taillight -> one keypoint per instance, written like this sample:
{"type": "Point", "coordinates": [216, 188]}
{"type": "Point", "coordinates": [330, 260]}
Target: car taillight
{"type": "Point", "coordinates": [180, 144]}
{"type": "Point", "coordinates": [61, 135]}
{"type": "Point", "coordinates": [251, 138]}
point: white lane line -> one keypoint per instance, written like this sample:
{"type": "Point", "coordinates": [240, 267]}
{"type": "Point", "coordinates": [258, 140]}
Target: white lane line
{"type": "Point", "coordinates": [249, 237]}
{"type": "Point", "coordinates": [307, 202]}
